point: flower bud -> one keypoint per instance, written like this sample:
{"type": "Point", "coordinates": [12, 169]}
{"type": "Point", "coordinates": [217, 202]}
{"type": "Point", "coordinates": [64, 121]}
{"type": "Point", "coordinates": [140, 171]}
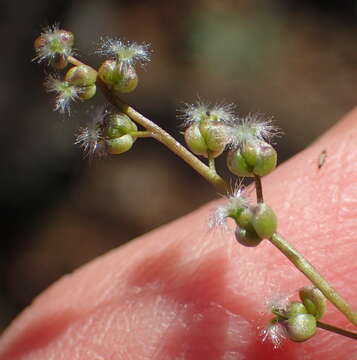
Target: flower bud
{"type": "Point", "coordinates": [120, 145]}
{"type": "Point", "coordinates": [118, 125]}
{"type": "Point", "coordinates": [255, 157]}
{"type": "Point", "coordinates": [247, 237]}
{"type": "Point", "coordinates": [301, 327]}
{"type": "Point", "coordinates": [82, 75]}
{"type": "Point", "coordinates": [87, 92]}
{"type": "Point", "coordinates": [314, 301]}
{"type": "Point", "coordinates": [264, 221]}
{"type": "Point", "coordinates": [295, 308]}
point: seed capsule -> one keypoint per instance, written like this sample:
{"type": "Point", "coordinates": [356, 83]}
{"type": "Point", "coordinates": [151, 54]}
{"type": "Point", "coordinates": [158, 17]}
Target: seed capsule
{"type": "Point", "coordinates": [295, 308]}
{"type": "Point", "coordinates": [252, 158]}
{"type": "Point", "coordinates": [247, 237]}
{"type": "Point", "coordinates": [314, 301]}
{"type": "Point", "coordinates": [87, 92]}
{"type": "Point", "coordinates": [81, 75]}
{"type": "Point", "coordinates": [118, 125]}
{"type": "Point", "coordinates": [264, 221]}
{"type": "Point", "coordinates": [127, 80]}
{"type": "Point", "coordinates": [120, 145]}
{"type": "Point", "coordinates": [301, 327]}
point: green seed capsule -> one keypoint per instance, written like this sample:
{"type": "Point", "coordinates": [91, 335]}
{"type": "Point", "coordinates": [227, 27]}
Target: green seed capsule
{"type": "Point", "coordinates": [118, 125]}
{"type": "Point", "coordinates": [87, 92]}
{"type": "Point", "coordinates": [247, 238]}
{"type": "Point", "coordinates": [127, 80]}
{"type": "Point", "coordinates": [214, 134]}
{"type": "Point", "coordinates": [81, 75]}
{"type": "Point", "coordinates": [264, 221]}
{"type": "Point", "coordinates": [120, 145]}
{"type": "Point", "coordinates": [301, 327]}
{"type": "Point", "coordinates": [266, 159]}
{"type": "Point", "coordinates": [314, 301]}
{"type": "Point", "coordinates": [296, 308]}
{"type": "Point", "coordinates": [107, 72]}
{"type": "Point", "coordinates": [243, 218]}
{"type": "Point", "coordinates": [237, 164]}
{"type": "Point", "coordinates": [252, 158]}
{"type": "Point", "coordinates": [195, 140]}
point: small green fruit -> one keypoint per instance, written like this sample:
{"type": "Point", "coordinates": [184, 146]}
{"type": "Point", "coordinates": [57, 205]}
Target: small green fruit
{"type": "Point", "coordinates": [301, 327]}
{"type": "Point", "coordinates": [195, 141]}
{"type": "Point", "coordinates": [126, 81]}
{"type": "Point", "coordinates": [118, 125]}
{"type": "Point", "coordinates": [247, 237]}
{"type": "Point", "coordinates": [252, 158]}
{"type": "Point", "coordinates": [295, 308]}
{"type": "Point", "coordinates": [264, 221]}
{"type": "Point", "coordinates": [215, 135]}
{"type": "Point", "coordinates": [81, 75]}
{"type": "Point", "coordinates": [314, 301]}
{"type": "Point", "coordinates": [87, 92]}
{"type": "Point", "coordinates": [266, 159]}
{"type": "Point", "coordinates": [120, 145]}
{"type": "Point", "coordinates": [237, 164]}
{"type": "Point", "coordinates": [107, 72]}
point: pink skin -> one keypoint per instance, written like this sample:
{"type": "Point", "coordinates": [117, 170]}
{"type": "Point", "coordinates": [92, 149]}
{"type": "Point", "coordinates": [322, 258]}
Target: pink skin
{"type": "Point", "coordinates": [184, 292]}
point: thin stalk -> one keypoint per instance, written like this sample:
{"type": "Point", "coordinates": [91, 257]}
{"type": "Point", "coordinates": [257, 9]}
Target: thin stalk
{"type": "Point", "coordinates": [212, 164]}
{"type": "Point", "coordinates": [337, 330]}
{"type": "Point", "coordinates": [141, 134]}
{"type": "Point", "coordinates": [258, 188]}
{"type": "Point", "coordinates": [313, 275]}
{"type": "Point", "coordinates": [161, 135]}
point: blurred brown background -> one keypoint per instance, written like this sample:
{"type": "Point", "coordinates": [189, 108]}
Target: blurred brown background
{"type": "Point", "coordinates": [295, 60]}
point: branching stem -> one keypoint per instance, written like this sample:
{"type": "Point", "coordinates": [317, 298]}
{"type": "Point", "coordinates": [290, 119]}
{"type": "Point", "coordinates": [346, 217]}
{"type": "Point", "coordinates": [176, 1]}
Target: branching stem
{"type": "Point", "coordinates": [162, 136]}
{"type": "Point", "coordinates": [313, 275]}
{"type": "Point", "coordinates": [210, 174]}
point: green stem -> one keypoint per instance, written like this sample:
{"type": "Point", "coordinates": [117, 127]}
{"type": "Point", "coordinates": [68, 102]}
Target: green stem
{"type": "Point", "coordinates": [312, 274]}
{"type": "Point", "coordinates": [212, 164]}
{"type": "Point", "coordinates": [161, 135]}
{"type": "Point", "coordinates": [337, 330]}
{"type": "Point", "coordinates": [141, 134]}
{"type": "Point", "coordinates": [210, 174]}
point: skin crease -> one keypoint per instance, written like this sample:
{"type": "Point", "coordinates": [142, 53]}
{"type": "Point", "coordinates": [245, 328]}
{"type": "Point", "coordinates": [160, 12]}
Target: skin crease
{"type": "Point", "coordinates": [183, 292]}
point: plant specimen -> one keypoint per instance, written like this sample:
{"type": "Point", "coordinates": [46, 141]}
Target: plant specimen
{"type": "Point", "coordinates": [210, 131]}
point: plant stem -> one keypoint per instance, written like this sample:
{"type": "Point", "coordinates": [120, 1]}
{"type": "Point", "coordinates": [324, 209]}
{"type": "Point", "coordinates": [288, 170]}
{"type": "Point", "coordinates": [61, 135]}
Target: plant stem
{"type": "Point", "coordinates": [312, 274]}
{"type": "Point", "coordinates": [162, 136]}
{"type": "Point", "coordinates": [212, 164]}
{"type": "Point", "coordinates": [141, 134]}
{"type": "Point", "coordinates": [337, 330]}
{"type": "Point", "coordinates": [210, 174]}
{"type": "Point", "coordinates": [258, 188]}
